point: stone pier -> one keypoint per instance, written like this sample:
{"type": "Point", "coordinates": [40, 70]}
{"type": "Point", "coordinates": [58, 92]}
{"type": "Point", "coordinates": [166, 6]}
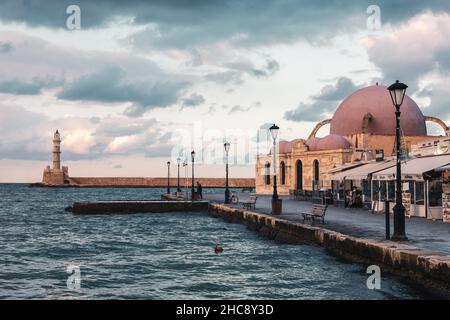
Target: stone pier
{"type": "Point", "coordinates": [426, 268]}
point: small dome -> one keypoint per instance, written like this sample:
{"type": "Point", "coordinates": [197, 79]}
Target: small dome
{"type": "Point", "coordinates": [298, 141]}
{"type": "Point", "coordinates": [283, 147]}
{"type": "Point", "coordinates": [373, 106]}
{"type": "Point", "coordinates": [330, 142]}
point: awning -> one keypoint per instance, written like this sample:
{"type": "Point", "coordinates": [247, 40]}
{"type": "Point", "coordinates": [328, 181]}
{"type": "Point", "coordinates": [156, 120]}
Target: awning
{"type": "Point", "coordinates": [362, 172]}
{"type": "Point", "coordinates": [443, 168]}
{"type": "Point", "coordinates": [345, 166]}
{"type": "Point", "coordinates": [415, 168]}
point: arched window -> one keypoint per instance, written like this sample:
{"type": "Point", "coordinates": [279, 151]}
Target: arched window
{"type": "Point", "coordinates": [283, 172]}
{"type": "Point", "coordinates": [267, 173]}
{"type": "Point", "coordinates": [316, 174]}
{"type": "Point", "coordinates": [299, 174]}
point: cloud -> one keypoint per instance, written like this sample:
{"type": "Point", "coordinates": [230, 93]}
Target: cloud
{"type": "Point", "coordinates": [33, 87]}
{"type": "Point", "coordinates": [271, 66]}
{"type": "Point", "coordinates": [110, 85]}
{"type": "Point", "coordinates": [193, 100]}
{"type": "Point", "coordinates": [27, 135]}
{"type": "Point", "coordinates": [188, 24]}
{"type": "Point", "coordinates": [261, 23]}
{"type": "Point", "coordinates": [235, 70]}
{"type": "Point", "coordinates": [439, 99]}
{"type": "Point", "coordinates": [225, 77]}
{"type": "Point", "coordinates": [79, 141]}
{"type": "Point", "coordinates": [238, 108]}
{"type": "Point", "coordinates": [324, 102]}
{"type": "Point", "coordinates": [6, 47]}
{"type": "Point", "coordinates": [412, 50]}
{"type": "Point", "coordinates": [265, 126]}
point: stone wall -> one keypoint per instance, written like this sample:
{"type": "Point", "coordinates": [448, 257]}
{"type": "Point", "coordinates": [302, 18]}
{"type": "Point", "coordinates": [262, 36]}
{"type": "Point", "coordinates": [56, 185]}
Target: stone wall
{"type": "Point", "coordinates": [328, 159]}
{"type": "Point", "coordinates": [424, 267]}
{"type": "Point", "coordinates": [159, 182]}
{"type": "Point", "coordinates": [384, 142]}
{"type": "Point", "coordinates": [53, 177]}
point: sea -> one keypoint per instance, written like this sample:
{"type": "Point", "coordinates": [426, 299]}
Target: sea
{"type": "Point", "coordinates": [47, 252]}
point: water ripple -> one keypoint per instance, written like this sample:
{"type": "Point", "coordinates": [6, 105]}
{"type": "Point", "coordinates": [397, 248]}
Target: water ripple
{"type": "Point", "coordinates": [159, 256]}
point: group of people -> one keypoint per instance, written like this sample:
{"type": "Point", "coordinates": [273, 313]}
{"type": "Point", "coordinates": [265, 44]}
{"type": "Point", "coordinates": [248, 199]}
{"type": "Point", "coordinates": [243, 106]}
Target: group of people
{"type": "Point", "coordinates": [353, 198]}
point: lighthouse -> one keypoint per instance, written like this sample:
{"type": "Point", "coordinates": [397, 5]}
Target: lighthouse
{"type": "Point", "coordinates": [57, 151]}
{"type": "Point", "coordinates": [56, 175]}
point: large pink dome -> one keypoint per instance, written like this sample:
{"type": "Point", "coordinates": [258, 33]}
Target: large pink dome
{"type": "Point", "coordinates": [376, 101]}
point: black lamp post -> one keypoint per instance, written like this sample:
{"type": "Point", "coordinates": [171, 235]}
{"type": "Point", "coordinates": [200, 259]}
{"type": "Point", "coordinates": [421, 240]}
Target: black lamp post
{"type": "Point", "coordinates": [274, 132]}
{"type": "Point", "coordinates": [178, 180]}
{"type": "Point", "coordinates": [192, 188]}
{"type": "Point", "coordinates": [168, 177]}
{"type": "Point", "coordinates": [276, 202]}
{"type": "Point", "coordinates": [397, 92]}
{"type": "Point", "coordinates": [226, 146]}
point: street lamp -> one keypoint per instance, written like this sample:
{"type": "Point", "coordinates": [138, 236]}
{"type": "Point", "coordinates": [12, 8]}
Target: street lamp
{"type": "Point", "coordinates": [178, 180]}
{"type": "Point", "coordinates": [397, 92]}
{"type": "Point", "coordinates": [168, 177]}
{"type": "Point", "coordinates": [226, 146]}
{"type": "Point", "coordinates": [276, 202]}
{"type": "Point", "coordinates": [192, 188]}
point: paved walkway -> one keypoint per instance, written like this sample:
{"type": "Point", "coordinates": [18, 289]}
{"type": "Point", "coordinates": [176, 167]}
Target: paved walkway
{"type": "Point", "coordinates": [422, 233]}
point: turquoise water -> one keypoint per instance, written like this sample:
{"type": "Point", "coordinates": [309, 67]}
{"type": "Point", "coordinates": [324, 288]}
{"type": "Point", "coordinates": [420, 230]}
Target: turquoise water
{"type": "Point", "coordinates": [159, 256]}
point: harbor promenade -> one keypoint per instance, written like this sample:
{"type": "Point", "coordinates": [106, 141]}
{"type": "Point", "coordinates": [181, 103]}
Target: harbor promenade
{"type": "Point", "coordinates": [361, 223]}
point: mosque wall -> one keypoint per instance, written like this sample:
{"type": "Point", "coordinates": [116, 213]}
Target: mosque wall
{"type": "Point", "coordinates": [327, 159]}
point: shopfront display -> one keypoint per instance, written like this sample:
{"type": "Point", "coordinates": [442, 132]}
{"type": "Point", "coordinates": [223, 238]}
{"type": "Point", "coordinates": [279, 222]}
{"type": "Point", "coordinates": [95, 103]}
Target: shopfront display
{"type": "Point", "coordinates": [446, 207]}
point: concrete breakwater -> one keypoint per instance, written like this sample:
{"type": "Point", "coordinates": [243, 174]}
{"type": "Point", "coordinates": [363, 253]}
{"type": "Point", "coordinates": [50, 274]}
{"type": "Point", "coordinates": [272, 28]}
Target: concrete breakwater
{"type": "Point", "coordinates": [426, 268]}
{"type": "Point", "coordinates": [108, 207]}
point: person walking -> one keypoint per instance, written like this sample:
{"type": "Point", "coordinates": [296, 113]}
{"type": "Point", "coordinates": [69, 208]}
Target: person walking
{"type": "Point", "coordinates": [199, 190]}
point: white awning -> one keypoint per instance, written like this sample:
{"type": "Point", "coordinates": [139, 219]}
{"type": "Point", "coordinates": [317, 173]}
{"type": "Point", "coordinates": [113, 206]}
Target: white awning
{"type": "Point", "coordinates": [345, 166]}
{"type": "Point", "coordinates": [415, 168]}
{"type": "Point", "coordinates": [443, 168]}
{"type": "Point", "coordinates": [362, 172]}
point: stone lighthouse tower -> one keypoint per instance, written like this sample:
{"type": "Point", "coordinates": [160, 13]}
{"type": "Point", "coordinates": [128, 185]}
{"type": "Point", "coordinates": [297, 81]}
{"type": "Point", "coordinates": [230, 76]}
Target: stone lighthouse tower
{"type": "Point", "coordinates": [57, 175]}
{"type": "Point", "coordinates": [57, 151]}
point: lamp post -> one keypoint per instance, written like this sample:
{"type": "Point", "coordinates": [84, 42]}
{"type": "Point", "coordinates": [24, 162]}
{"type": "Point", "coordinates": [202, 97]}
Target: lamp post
{"type": "Point", "coordinates": [178, 180]}
{"type": "Point", "coordinates": [192, 187]}
{"type": "Point", "coordinates": [185, 166]}
{"type": "Point", "coordinates": [276, 202]}
{"type": "Point", "coordinates": [168, 177]}
{"type": "Point", "coordinates": [226, 146]}
{"type": "Point", "coordinates": [397, 92]}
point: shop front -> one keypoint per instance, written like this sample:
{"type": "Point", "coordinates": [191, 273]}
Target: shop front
{"type": "Point", "coordinates": [359, 180]}
{"type": "Point", "coordinates": [424, 185]}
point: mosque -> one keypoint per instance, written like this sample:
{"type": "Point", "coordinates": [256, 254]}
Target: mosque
{"type": "Point", "coordinates": [361, 129]}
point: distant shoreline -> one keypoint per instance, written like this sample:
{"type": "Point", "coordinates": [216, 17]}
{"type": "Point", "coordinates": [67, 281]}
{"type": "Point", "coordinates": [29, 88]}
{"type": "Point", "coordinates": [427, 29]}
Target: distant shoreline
{"type": "Point", "coordinates": [41, 185]}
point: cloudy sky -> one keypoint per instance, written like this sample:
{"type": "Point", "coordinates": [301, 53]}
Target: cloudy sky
{"type": "Point", "coordinates": [142, 82]}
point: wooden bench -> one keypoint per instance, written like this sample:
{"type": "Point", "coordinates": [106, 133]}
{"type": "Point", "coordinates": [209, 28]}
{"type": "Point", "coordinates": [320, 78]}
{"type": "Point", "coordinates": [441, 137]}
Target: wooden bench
{"type": "Point", "coordinates": [317, 213]}
{"type": "Point", "coordinates": [250, 204]}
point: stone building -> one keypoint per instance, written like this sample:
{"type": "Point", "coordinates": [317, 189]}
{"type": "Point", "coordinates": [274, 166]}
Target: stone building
{"type": "Point", "coordinates": [362, 126]}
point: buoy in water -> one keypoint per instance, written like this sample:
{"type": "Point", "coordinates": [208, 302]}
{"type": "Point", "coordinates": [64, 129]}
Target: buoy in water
{"type": "Point", "coordinates": [218, 248]}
